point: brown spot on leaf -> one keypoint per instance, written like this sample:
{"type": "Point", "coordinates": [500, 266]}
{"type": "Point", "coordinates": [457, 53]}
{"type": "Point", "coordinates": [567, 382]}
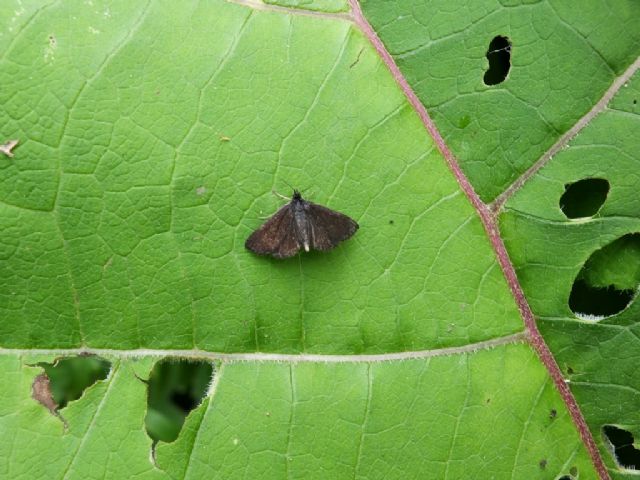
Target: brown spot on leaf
{"type": "Point", "coordinates": [41, 391]}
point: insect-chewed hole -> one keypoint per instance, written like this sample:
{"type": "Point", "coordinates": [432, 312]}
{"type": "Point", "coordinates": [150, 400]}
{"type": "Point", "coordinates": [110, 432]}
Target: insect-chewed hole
{"type": "Point", "coordinates": [589, 301]}
{"type": "Point", "coordinates": [499, 56]}
{"type": "Point", "coordinates": [175, 388]}
{"type": "Point", "coordinates": [573, 474]}
{"type": "Point", "coordinates": [584, 198]}
{"type": "Point", "coordinates": [609, 279]}
{"type": "Point", "coordinates": [620, 444]}
{"type": "Point", "coordinates": [69, 377]}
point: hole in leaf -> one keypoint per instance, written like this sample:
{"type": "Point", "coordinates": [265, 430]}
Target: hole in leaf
{"type": "Point", "coordinates": [608, 282]}
{"type": "Point", "coordinates": [499, 56]}
{"type": "Point", "coordinates": [573, 474]}
{"type": "Point", "coordinates": [69, 377]}
{"type": "Point", "coordinates": [594, 303]}
{"type": "Point", "coordinates": [620, 443]}
{"type": "Point", "coordinates": [584, 198]}
{"type": "Point", "coordinates": [174, 389]}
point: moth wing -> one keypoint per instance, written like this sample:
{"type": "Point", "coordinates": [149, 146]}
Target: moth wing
{"type": "Point", "coordinates": [289, 244]}
{"type": "Point", "coordinates": [276, 236]}
{"type": "Point", "coordinates": [329, 227]}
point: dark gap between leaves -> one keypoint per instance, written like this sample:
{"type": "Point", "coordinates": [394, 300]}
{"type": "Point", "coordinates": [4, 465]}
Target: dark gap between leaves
{"type": "Point", "coordinates": [584, 198]}
{"type": "Point", "coordinates": [499, 57]}
{"type": "Point", "coordinates": [175, 388]}
{"type": "Point", "coordinates": [620, 443]}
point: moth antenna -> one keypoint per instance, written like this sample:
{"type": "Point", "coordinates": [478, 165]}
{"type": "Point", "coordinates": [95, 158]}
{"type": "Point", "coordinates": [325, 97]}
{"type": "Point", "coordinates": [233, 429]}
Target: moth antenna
{"type": "Point", "coordinates": [280, 195]}
{"type": "Point", "coordinates": [289, 185]}
{"type": "Point", "coordinates": [306, 192]}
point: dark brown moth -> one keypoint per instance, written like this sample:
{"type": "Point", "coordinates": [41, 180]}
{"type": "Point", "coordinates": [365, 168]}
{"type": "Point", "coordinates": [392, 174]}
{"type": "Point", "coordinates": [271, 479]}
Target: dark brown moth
{"type": "Point", "coordinates": [300, 225]}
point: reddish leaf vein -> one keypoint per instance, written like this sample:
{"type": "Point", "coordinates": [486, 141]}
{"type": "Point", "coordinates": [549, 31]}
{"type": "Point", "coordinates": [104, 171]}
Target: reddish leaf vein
{"type": "Point", "coordinates": [491, 227]}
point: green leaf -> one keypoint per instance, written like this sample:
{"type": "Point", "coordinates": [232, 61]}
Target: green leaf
{"type": "Point", "coordinates": [563, 59]}
{"type": "Point", "coordinates": [377, 420]}
{"type": "Point", "coordinates": [153, 203]}
{"type": "Point", "coordinates": [597, 354]}
{"type": "Point", "coordinates": [151, 136]}
{"type": "Point", "coordinates": [105, 435]}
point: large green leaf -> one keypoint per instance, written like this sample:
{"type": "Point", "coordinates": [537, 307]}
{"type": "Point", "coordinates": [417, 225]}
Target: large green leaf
{"type": "Point", "coordinates": [151, 138]}
{"type": "Point", "coordinates": [163, 171]}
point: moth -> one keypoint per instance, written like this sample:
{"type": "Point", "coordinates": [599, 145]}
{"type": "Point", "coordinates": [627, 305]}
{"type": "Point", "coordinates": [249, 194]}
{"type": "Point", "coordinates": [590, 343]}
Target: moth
{"type": "Point", "coordinates": [300, 225]}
